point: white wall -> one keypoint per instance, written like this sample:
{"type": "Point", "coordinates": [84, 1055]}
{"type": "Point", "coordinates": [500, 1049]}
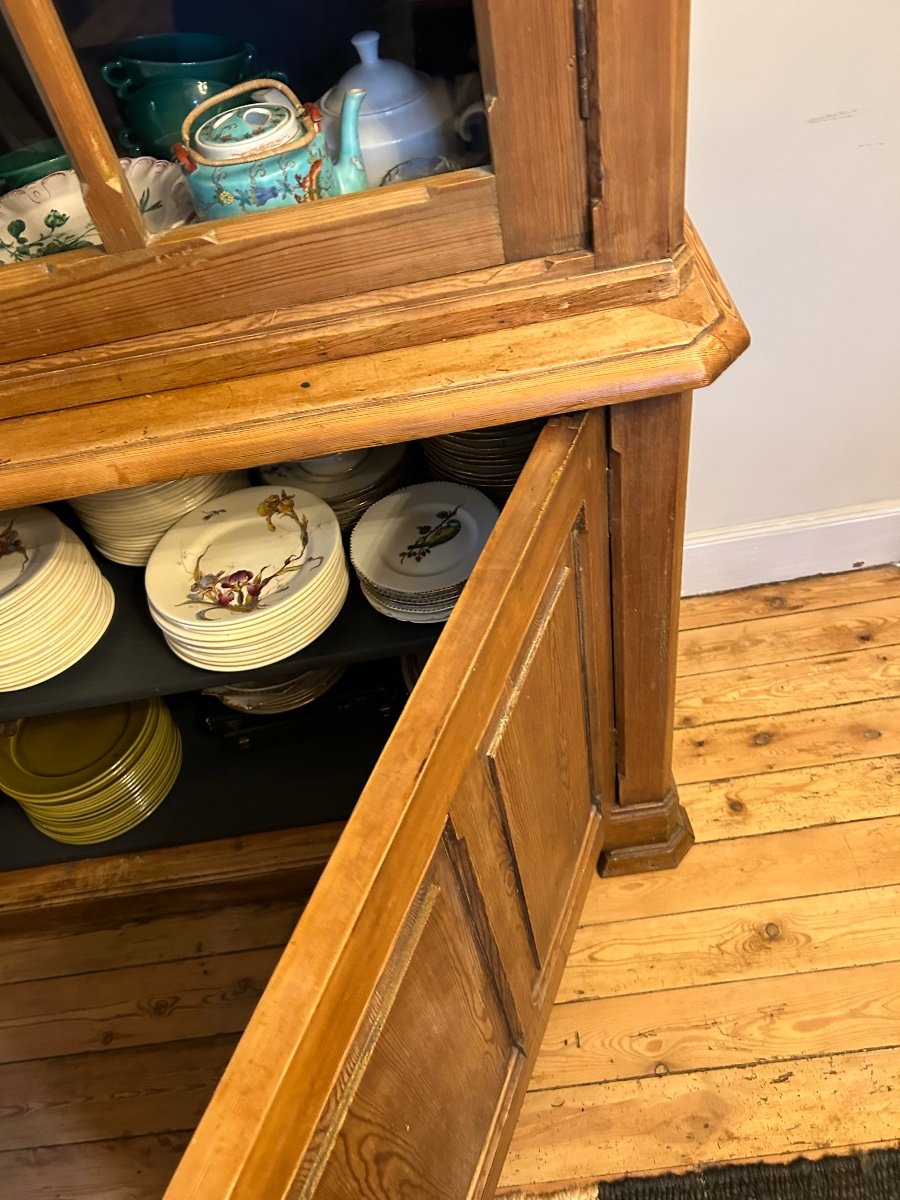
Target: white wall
{"type": "Point", "coordinates": [794, 183]}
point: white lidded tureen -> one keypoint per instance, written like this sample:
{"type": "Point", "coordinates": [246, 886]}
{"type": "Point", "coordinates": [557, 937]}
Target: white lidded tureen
{"type": "Point", "coordinates": [405, 115]}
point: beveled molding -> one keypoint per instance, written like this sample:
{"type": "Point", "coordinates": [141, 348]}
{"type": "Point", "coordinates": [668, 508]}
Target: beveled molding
{"type": "Point", "coordinates": [645, 837]}
{"type": "Point", "coordinates": [580, 346]}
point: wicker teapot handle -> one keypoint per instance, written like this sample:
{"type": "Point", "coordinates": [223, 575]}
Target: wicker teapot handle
{"type": "Point", "coordinates": [239, 89]}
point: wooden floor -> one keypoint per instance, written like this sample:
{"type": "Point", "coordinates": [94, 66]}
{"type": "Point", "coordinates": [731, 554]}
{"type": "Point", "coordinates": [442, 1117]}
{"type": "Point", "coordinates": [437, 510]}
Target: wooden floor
{"type": "Point", "coordinates": [746, 1005]}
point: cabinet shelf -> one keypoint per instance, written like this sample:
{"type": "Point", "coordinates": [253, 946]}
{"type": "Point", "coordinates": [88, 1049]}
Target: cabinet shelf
{"type": "Point", "coordinates": [311, 775]}
{"type": "Point", "coordinates": [132, 660]}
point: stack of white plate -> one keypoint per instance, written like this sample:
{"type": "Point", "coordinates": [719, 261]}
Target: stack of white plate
{"type": "Point", "coordinates": [126, 525]}
{"type": "Point", "coordinates": [282, 695]}
{"type": "Point", "coordinates": [414, 550]}
{"type": "Point", "coordinates": [349, 482]}
{"type": "Point", "coordinates": [489, 459]}
{"type": "Point", "coordinates": [251, 582]}
{"type": "Point", "coordinates": [54, 603]}
{"type": "Point", "coordinates": [88, 776]}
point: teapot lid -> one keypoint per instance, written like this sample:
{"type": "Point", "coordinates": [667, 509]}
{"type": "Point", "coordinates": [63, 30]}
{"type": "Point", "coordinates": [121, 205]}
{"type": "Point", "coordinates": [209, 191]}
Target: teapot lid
{"type": "Point", "coordinates": [246, 130]}
{"type": "Point", "coordinates": [387, 84]}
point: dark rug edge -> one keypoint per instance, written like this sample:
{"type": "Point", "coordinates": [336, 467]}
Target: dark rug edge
{"type": "Point", "coordinates": [863, 1175]}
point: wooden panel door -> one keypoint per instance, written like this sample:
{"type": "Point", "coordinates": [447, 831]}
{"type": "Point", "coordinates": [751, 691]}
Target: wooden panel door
{"type": "Point", "coordinates": [390, 1052]}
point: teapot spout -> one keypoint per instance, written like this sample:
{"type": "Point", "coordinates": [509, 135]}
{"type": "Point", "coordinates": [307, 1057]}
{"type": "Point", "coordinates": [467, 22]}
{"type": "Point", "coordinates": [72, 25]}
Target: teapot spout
{"type": "Point", "coordinates": [349, 170]}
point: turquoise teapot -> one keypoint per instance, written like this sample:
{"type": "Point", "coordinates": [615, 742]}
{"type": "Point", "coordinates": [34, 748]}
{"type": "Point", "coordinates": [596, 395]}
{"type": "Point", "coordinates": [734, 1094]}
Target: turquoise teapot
{"type": "Point", "coordinates": [267, 154]}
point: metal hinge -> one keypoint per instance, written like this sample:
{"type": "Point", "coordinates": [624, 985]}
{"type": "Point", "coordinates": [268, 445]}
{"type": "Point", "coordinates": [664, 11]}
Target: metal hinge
{"type": "Point", "coordinates": [581, 57]}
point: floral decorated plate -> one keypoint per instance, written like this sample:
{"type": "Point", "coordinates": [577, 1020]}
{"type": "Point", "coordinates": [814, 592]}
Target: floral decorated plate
{"type": "Point", "coordinates": [49, 216]}
{"type": "Point", "coordinates": [423, 537]}
{"type": "Point", "coordinates": [259, 549]}
{"type": "Point", "coordinates": [30, 538]}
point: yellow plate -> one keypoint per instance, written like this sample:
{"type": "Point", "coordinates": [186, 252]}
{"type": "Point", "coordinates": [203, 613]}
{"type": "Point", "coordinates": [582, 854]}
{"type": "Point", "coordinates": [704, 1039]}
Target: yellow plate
{"type": "Point", "coordinates": [62, 752]}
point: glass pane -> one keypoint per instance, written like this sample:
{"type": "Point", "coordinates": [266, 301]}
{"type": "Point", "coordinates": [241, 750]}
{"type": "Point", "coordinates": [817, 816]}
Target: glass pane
{"type": "Point", "coordinates": [196, 48]}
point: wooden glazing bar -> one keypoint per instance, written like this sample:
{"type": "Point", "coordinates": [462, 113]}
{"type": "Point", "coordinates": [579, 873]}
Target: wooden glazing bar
{"type": "Point", "coordinates": [538, 147]}
{"type": "Point", "coordinates": [48, 54]}
{"type": "Point", "coordinates": [638, 106]}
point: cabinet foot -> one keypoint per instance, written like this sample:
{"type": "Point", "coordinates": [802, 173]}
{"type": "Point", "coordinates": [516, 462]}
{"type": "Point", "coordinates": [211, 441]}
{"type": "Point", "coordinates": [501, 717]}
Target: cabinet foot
{"type": "Point", "coordinates": [646, 837]}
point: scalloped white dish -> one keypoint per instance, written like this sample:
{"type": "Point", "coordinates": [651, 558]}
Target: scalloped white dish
{"type": "Point", "coordinates": [49, 216]}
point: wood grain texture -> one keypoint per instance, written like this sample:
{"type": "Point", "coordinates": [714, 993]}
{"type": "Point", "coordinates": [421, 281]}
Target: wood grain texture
{"type": "Point", "coordinates": [830, 858]}
{"type": "Point", "coordinates": [296, 855]}
{"type": "Point", "coordinates": [677, 1122]}
{"type": "Point", "coordinates": [784, 687]}
{"type": "Point", "coordinates": [783, 937]}
{"type": "Point", "coordinates": [238, 266]}
{"type": "Point", "coordinates": [770, 600]}
{"type": "Point", "coordinates": [47, 52]}
{"type": "Point", "coordinates": [530, 81]}
{"type": "Point", "coordinates": [615, 354]}
{"type": "Point", "coordinates": [123, 1169]}
{"type": "Point", "coordinates": [48, 954]}
{"type": "Point", "coordinates": [753, 1021]}
{"type": "Point", "coordinates": [252, 1139]}
{"type": "Point", "coordinates": [648, 483]}
{"type": "Point", "coordinates": [133, 1006]}
{"type": "Point", "coordinates": [542, 773]}
{"type": "Point", "coordinates": [113, 1094]}
{"type": "Point", "coordinates": [639, 125]}
{"type": "Point", "coordinates": [796, 799]}
{"type": "Point", "coordinates": [842, 629]}
{"type": "Point", "coordinates": [729, 749]}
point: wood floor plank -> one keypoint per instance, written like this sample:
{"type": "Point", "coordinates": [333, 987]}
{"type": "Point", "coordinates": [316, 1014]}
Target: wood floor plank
{"type": "Point", "coordinates": [127, 1169]}
{"type": "Point", "coordinates": [133, 1007]}
{"type": "Point", "coordinates": [702, 1028]}
{"type": "Point", "coordinates": [744, 941]}
{"type": "Point", "coordinates": [775, 599]}
{"type": "Point", "coordinates": [839, 630]}
{"type": "Point", "coordinates": [110, 1094]}
{"type": "Point", "coordinates": [825, 794]}
{"type": "Point", "coordinates": [674, 1122]}
{"type": "Point", "coordinates": [828, 858]}
{"type": "Point", "coordinates": [730, 749]}
{"type": "Point", "coordinates": [66, 951]}
{"type": "Point", "coordinates": [772, 688]}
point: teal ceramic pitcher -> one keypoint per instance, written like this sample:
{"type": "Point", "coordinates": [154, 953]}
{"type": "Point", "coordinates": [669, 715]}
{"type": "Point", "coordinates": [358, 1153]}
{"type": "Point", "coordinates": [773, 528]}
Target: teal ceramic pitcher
{"type": "Point", "coordinates": [267, 155]}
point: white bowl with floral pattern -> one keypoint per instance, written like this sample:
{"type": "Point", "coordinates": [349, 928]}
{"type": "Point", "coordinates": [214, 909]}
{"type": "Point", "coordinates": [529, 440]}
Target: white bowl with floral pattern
{"type": "Point", "coordinates": [49, 216]}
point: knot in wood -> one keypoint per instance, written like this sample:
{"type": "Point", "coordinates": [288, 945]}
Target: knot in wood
{"type": "Point", "coordinates": [772, 931]}
{"type": "Point", "coordinates": [736, 806]}
{"type": "Point", "coordinates": [762, 739]}
{"type": "Point", "coordinates": [660, 1069]}
{"type": "Point", "coordinates": [871, 734]}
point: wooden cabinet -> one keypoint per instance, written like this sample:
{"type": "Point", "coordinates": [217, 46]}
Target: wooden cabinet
{"type": "Point", "coordinates": [390, 1051]}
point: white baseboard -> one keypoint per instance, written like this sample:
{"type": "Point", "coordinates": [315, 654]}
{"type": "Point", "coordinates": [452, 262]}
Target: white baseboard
{"type": "Point", "coordinates": [820, 543]}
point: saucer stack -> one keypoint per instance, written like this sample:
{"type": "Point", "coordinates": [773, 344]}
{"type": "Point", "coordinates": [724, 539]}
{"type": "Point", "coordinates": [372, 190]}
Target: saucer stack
{"type": "Point", "coordinates": [414, 550]}
{"type": "Point", "coordinates": [54, 603]}
{"type": "Point", "coordinates": [251, 582]}
{"type": "Point", "coordinates": [489, 459]}
{"type": "Point", "coordinates": [89, 776]}
{"type": "Point", "coordinates": [126, 525]}
{"type": "Point", "coordinates": [349, 482]}
{"type": "Point", "coordinates": [282, 695]}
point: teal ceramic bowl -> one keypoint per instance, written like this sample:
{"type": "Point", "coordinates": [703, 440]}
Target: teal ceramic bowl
{"type": "Point", "coordinates": [32, 162]}
{"type": "Point", "coordinates": [145, 60]}
{"type": "Point", "coordinates": [154, 114]}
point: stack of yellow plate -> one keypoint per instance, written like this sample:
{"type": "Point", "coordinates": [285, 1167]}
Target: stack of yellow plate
{"type": "Point", "coordinates": [126, 525]}
{"type": "Point", "coordinates": [54, 603]}
{"type": "Point", "coordinates": [89, 776]}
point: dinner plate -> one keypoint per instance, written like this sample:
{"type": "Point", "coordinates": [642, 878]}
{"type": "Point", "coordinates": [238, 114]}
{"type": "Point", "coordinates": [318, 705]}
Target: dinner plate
{"type": "Point", "coordinates": [425, 536]}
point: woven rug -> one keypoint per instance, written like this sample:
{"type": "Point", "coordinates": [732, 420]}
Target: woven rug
{"type": "Point", "coordinates": [871, 1176]}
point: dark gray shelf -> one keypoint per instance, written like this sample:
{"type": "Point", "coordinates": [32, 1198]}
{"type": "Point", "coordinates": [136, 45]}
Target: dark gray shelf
{"type": "Point", "coordinates": [132, 660]}
{"type": "Point", "coordinates": [304, 769]}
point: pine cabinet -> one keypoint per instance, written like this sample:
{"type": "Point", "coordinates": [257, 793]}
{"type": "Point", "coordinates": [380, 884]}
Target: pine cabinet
{"type": "Point", "coordinates": [391, 1049]}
